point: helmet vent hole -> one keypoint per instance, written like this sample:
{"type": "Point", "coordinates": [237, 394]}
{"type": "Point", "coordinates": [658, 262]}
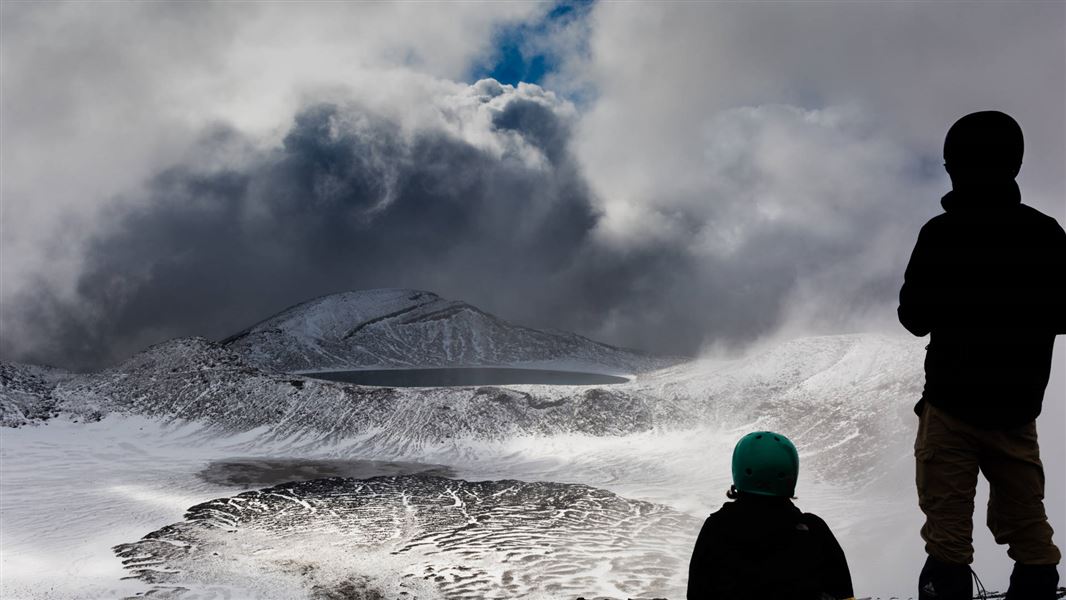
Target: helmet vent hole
{"type": "Point", "coordinates": [777, 439]}
{"type": "Point", "coordinates": [748, 470]}
{"type": "Point", "coordinates": [758, 437]}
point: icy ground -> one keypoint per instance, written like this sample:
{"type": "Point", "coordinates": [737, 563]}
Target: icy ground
{"type": "Point", "coordinates": [424, 536]}
{"type": "Point", "coordinates": [71, 491]}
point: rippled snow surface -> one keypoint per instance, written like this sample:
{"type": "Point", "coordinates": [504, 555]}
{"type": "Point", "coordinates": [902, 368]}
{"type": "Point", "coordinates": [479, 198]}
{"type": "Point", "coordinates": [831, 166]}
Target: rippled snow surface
{"type": "Point", "coordinates": [71, 491]}
{"type": "Point", "coordinates": [424, 536]}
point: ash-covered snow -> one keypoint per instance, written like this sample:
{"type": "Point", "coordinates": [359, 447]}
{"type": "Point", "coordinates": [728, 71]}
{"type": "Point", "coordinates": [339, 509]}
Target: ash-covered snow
{"type": "Point", "coordinates": [421, 536]}
{"type": "Point", "coordinates": [409, 328]}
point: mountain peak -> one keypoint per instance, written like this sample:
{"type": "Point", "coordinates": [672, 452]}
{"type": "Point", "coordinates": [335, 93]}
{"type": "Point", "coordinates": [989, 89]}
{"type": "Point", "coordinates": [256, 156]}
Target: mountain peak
{"type": "Point", "coordinates": [397, 328]}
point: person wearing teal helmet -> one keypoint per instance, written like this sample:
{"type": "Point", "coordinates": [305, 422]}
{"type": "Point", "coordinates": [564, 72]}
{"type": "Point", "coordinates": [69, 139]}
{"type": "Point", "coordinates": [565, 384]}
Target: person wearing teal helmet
{"type": "Point", "coordinates": [765, 464]}
{"type": "Point", "coordinates": [760, 545]}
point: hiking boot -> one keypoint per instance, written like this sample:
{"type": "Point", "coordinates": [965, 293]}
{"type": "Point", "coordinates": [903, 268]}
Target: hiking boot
{"type": "Point", "coordinates": [1033, 582]}
{"type": "Point", "coordinates": [944, 581]}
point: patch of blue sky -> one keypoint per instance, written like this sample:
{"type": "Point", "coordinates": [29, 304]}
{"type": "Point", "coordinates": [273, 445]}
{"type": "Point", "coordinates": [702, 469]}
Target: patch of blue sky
{"type": "Point", "coordinates": [520, 52]}
{"type": "Point", "coordinates": [514, 66]}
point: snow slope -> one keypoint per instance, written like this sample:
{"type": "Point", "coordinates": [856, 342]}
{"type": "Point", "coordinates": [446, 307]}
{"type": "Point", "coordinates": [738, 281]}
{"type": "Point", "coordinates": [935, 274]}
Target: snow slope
{"type": "Point", "coordinates": [409, 328]}
{"type": "Point", "coordinates": [76, 489]}
{"type": "Point", "coordinates": [847, 396]}
{"type": "Point", "coordinates": [839, 394]}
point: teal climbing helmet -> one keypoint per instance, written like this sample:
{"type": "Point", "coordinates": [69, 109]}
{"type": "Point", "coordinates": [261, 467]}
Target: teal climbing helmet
{"type": "Point", "coordinates": [765, 463]}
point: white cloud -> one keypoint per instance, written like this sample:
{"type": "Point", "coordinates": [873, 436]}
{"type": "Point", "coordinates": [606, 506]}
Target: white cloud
{"type": "Point", "coordinates": [788, 150]}
{"type": "Point", "coordinates": [99, 96]}
{"type": "Point", "coordinates": [719, 123]}
{"type": "Point", "coordinates": [909, 69]}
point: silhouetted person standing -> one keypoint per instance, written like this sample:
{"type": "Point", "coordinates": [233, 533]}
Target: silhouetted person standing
{"type": "Point", "coordinates": [987, 282]}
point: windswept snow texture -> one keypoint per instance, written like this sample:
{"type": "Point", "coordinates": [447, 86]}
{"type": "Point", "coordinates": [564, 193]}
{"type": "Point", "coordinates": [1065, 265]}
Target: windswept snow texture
{"type": "Point", "coordinates": [410, 328]}
{"type": "Point", "coordinates": [197, 380]}
{"type": "Point", "coordinates": [74, 490]}
{"type": "Point", "coordinates": [423, 537]}
{"type": "Point", "coordinates": [849, 397]}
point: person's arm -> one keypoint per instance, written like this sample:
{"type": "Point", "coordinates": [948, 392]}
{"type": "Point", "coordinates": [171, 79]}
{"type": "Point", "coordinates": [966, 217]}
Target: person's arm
{"type": "Point", "coordinates": [1037, 302]}
{"type": "Point", "coordinates": [915, 297]}
{"type": "Point", "coordinates": [1055, 303]}
{"type": "Point", "coordinates": [697, 567]}
{"type": "Point", "coordinates": [835, 575]}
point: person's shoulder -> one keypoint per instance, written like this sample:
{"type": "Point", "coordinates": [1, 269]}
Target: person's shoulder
{"type": "Point", "coordinates": [1035, 216]}
{"type": "Point", "coordinates": [813, 522]}
{"type": "Point", "coordinates": [937, 223]}
{"type": "Point", "coordinates": [719, 520]}
{"type": "Point", "coordinates": [724, 511]}
{"type": "Point", "coordinates": [938, 231]}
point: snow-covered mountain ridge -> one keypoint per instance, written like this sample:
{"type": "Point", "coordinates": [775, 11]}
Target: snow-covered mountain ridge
{"type": "Point", "coordinates": [26, 393]}
{"type": "Point", "coordinates": [848, 396]}
{"type": "Point", "coordinates": [372, 329]}
{"type": "Point", "coordinates": [409, 328]}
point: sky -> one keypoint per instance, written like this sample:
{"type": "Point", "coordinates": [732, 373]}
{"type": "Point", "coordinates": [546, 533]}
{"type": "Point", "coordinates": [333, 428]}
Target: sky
{"type": "Point", "coordinates": [675, 177]}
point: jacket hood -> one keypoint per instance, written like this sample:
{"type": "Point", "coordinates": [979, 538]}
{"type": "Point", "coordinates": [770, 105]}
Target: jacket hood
{"type": "Point", "coordinates": [1003, 195]}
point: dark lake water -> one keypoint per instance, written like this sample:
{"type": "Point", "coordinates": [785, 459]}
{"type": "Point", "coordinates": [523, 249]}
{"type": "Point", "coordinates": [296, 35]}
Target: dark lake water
{"type": "Point", "coordinates": [446, 377]}
{"type": "Point", "coordinates": [259, 472]}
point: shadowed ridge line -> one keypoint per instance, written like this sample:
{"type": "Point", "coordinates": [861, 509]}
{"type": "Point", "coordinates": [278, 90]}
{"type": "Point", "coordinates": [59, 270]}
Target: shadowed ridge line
{"type": "Point", "coordinates": [397, 313]}
{"type": "Point", "coordinates": [456, 306]}
{"type": "Point", "coordinates": [247, 330]}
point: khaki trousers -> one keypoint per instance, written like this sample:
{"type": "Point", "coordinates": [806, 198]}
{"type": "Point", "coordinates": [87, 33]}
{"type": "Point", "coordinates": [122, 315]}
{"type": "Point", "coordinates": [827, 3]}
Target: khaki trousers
{"type": "Point", "coordinates": [949, 453]}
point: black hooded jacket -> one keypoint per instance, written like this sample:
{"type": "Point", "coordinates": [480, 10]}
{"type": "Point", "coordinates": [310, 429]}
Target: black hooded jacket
{"type": "Point", "coordinates": [763, 547]}
{"type": "Point", "coordinates": [987, 281]}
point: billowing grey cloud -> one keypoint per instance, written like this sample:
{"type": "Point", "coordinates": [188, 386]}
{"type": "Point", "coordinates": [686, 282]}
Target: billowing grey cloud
{"type": "Point", "coordinates": [99, 98]}
{"type": "Point", "coordinates": [349, 200]}
{"type": "Point", "coordinates": [489, 205]}
{"type": "Point", "coordinates": [712, 186]}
